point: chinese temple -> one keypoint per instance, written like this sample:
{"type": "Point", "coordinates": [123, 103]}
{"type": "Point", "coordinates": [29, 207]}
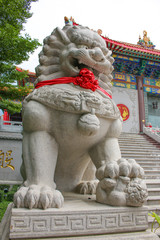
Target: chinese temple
{"type": "Point", "coordinates": [136, 82]}
{"type": "Point", "coordinates": [29, 81]}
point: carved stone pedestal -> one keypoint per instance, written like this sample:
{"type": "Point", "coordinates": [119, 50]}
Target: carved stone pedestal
{"type": "Point", "coordinates": [80, 218]}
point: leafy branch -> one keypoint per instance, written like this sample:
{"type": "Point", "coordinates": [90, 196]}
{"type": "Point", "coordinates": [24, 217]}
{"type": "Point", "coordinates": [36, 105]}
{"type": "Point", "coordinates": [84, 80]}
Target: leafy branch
{"type": "Point", "coordinates": [156, 218]}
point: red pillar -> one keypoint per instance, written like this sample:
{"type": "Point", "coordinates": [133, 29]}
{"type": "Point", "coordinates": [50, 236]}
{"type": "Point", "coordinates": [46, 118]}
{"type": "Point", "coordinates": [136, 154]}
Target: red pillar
{"type": "Point", "coordinates": [141, 102]}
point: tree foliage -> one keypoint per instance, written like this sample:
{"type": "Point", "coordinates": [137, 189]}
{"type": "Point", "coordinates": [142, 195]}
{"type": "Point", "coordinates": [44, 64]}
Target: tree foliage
{"type": "Point", "coordinates": [15, 47]}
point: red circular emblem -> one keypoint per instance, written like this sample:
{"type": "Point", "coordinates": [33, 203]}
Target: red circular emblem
{"type": "Point", "coordinates": [124, 111]}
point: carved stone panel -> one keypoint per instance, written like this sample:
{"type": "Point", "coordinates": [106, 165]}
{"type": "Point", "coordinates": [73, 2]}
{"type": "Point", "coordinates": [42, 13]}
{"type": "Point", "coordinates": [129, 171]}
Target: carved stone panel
{"type": "Point", "coordinates": [90, 218]}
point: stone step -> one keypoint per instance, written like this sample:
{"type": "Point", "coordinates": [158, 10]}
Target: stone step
{"type": "Point", "coordinates": [129, 146]}
{"type": "Point", "coordinates": [142, 158]}
{"type": "Point", "coordinates": [149, 172]}
{"type": "Point", "coordinates": [141, 148]}
{"type": "Point", "coordinates": [138, 155]}
{"type": "Point", "coordinates": [152, 172]}
{"type": "Point", "coordinates": [137, 149]}
{"type": "Point", "coordinates": [150, 164]}
{"type": "Point", "coordinates": [144, 137]}
{"type": "Point", "coordinates": [124, 147]}
{"type": "Point", "coordinates": [149, 160]}
{"type": "Point", "coordinates": [136, 136]}
{"type": "Point", "coordinates": [152, 183]}
{"type": "Point", "coordinates": [144, 154]}
{"type": "Point", "coordinates": [138, 146]}
{"type": "Point", "coordinates": [136, 141]}
{"type": "Point", "coordinates": [151, 177]}
{"type": "Point", "coordinates": [150, 168]}
{"type": "Point", "coordinates": [133, 135]}
{"type": "Point", "coordinates": [141, 162]}
{"type": "Point", "coordinates": [153, 200]}
{"type": "Point", "coordinates": [154, 191]}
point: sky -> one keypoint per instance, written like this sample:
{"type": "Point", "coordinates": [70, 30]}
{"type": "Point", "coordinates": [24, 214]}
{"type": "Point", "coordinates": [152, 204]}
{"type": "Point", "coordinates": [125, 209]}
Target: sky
{"type": "Point", "coordinates": [121, 20]}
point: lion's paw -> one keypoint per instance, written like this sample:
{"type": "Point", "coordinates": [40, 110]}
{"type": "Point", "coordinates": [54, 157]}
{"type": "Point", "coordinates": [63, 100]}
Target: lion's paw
{"type": "Point", "coordinates": [110, 170]}
{"type": "Point", "coordinates": [87, 187]}
{"type": "Point", "coordinates": [123, 167]}
{"type": "Point", "coordinates": [116, 183]}
{"type": "Point", "coordinates": [130, 168]}
{"type": "Point", "coordinates": [38, 197]}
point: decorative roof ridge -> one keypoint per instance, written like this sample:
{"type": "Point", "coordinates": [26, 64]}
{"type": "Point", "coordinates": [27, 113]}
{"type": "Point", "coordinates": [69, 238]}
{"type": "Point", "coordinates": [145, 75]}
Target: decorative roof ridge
{"type": "Point", "coordinates": [132, 46]}
{"type": "Point", "coordinates": [22, 70]}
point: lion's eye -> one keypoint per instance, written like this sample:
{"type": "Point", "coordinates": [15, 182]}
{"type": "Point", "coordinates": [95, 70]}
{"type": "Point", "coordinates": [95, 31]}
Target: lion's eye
{"type": "Point", "coordinates": [83, 46]}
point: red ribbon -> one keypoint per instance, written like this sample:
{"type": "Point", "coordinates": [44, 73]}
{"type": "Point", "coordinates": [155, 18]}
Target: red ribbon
{"type": "Point", "coordinates": [85, 79]}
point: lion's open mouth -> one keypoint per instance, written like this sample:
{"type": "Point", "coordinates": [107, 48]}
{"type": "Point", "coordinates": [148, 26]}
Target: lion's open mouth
{"type": "Point", "coordinates": [78, 65]}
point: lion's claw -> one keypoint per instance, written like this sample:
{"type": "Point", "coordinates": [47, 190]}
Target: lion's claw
{"type": "Point", "coordinates": [36, 196]}
{"type": "Point", "coordinates": [87, 187]}
{"type": "Point", "coordinates": [19, 197]}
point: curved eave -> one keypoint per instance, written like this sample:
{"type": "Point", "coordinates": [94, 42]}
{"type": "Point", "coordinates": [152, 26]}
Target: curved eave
{"type": "Point", "coordinates": [28, 72]}
{"type": "Point", "coordinates": [132, 50]}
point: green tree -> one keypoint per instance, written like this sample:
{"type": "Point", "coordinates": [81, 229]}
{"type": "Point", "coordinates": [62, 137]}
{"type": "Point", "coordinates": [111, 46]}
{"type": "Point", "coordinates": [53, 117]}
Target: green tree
{"type": "Point", "coordinates": [15, 47]}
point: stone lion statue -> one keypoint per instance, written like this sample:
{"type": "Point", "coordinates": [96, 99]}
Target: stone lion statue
{"type": "Point", "coordinates": [71, 127]}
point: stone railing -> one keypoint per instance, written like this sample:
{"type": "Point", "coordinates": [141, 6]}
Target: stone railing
{"type": "Point", "coordinates": [10, 126]}
{"type": "Point", "coordinates": [152, 132]}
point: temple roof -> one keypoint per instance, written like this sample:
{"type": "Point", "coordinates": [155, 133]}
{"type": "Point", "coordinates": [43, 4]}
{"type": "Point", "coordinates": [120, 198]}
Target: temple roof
{"type": "Point", "coordinates": [133, 50]}
{"type": "Point", "coordinates": [144, 49]}
{"type": "Point", "coordinates": [28, 72]}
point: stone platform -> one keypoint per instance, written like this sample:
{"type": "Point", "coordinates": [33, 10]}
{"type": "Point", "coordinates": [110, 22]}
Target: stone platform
{"type": "Point", "coordinates": [80, 218]}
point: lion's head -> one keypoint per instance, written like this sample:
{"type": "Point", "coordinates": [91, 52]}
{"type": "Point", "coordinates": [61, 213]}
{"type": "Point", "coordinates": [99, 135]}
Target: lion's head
{"type": "Point", "coordinates": [67, 51]}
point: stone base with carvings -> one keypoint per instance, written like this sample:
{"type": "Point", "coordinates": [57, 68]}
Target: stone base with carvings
{"type": "Point", "coordinates": [80, 216]}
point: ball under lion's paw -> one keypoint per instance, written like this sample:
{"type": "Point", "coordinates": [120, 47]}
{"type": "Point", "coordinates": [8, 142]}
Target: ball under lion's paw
{"type": "Point", "coordinates": [38, 196]}
{"type": "Point", "coordinates": [107, 193]}
{"type": "Point", "coordinates": [87, 187]}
